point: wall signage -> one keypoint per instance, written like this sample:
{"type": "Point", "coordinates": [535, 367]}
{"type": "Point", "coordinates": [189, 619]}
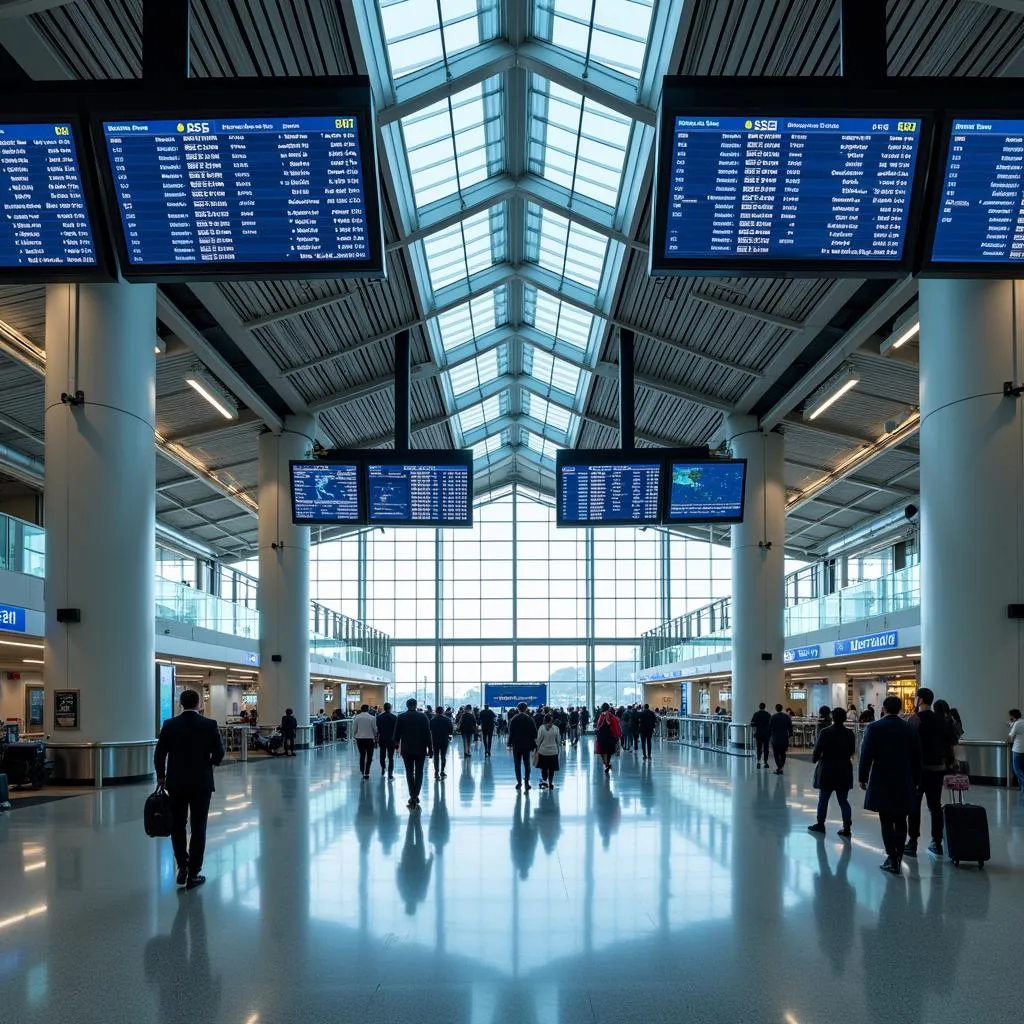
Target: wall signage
{"type": "Point", "coordinates": [252, 658]}
{"type": "Point", "coordinates": [66, 709]}
{"type": "Point", "coordinates": [795, 654]}
{"type": "Point", "coordinates": [498, 695]}
{"type": "Point", "coordinates": [867, 644]}
{"type": "Point", "coordinates": [12, 618]}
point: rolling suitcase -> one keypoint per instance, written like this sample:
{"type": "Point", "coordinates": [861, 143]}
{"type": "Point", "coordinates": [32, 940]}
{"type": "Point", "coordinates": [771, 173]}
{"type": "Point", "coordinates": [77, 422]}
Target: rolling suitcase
{"type": "Point", "coordinates": [966, 829]}
{"type": "Point", "coordinates": [5, 795]}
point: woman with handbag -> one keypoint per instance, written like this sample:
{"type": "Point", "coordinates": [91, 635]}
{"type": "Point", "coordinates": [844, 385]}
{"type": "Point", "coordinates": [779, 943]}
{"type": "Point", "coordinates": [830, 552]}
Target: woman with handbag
{"type": "Point", "coordinates": [833, 771]}
{"type": "Point", "coordinates": [549, 742]}
{"type": "Point", "coordinates": [609, 733]}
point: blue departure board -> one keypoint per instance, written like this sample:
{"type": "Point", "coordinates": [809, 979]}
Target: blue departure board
{"type": "Point", "coordinates": [325, 492]}
{"type": "Point", "coordinates": [44, 221]}
{"type": "Point", "coordinates": [242, 190]}
{"type": "Point", "coordinates": [822, 189]}
{"type": "Point", "coordinates": [706, 492]}
{"type": "Point", "coordinates": [981, 214]}
{"type": "Point", "coordinates": [419, 495]}
{"type": "Point", "coordinates": [609, 495]}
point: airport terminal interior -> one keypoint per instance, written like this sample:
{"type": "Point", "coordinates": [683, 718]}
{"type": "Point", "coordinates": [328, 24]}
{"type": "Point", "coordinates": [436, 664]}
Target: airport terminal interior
{"type": "Point", "coordinates": [574, 354]}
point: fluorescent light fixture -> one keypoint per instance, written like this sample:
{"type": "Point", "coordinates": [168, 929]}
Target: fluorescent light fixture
{"type": "Point", "coordinates": [17, 643]}
{"type": "Point", "coordinates": [210, 389]}
{"type": "Point", "coordinates": [33, 661]}
{"type": "Point", "coordinates": [903, 330]}
{"type": "Point", "coordinates": [804, 668]}
{"type": "Point", "coordinates": [191, 664]}
{"type": "Point", "coordinates": [864, 661]}
{"type": "Point", "coordinates": [843, 380]}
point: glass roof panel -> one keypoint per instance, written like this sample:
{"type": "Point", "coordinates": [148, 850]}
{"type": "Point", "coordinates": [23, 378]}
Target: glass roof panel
{"type": "Point", "coordinates": [575, 142]}
{"type": "Point", "coordinates": [571, 251]}
{"type": "Point", "coordinates": [466, 322]}
{"type": "Point", "coordinates": [609, 32]}
{"type": "Point", "coordinates": [565, 323]}
{"type": "Point", "coordinates": [541, 445]}
{"type": "Point", "coordinates": [416, 39]}
{"type": "Point", "coordinates": [474, 244]}
{"type": "Point", "coordinates": [489, 446]}
{"type": "Point", "coordinates": [550, 370]}
{"type": "Point", "coordinates": [553, 416]}
{"type": "Point", "coordinates": [485, 412]}
{"type": "Point", "coordinates": [454, 143]}
{"type": "Point", "coordinates": [479, 371]}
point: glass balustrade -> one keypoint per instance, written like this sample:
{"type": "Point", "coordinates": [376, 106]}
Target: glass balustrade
{"type": "Point", "coordinates": [178, 602]}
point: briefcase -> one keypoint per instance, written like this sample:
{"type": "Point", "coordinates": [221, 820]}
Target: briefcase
{"type": "Point", "coordinates": [156, 815]}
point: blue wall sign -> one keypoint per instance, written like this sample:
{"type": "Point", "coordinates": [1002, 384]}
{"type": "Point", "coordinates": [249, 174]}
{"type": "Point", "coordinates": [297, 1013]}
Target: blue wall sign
{"type": "Point", "coordinates": [252, 658]}
{"type": "Point", "coordinates": [12, 618]}
{"type": "Point", "coordinates": [868, 644]}
{"type": "Point", "coordinates": [505, 695]}
{"type": "Point", "coordinates": [794, 654]}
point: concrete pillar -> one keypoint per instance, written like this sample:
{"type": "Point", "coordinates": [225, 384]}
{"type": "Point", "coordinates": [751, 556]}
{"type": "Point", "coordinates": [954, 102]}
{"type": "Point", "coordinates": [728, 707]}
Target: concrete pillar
{"type": "Point", "coordinates": [100, 505]}
{"type": "Point", "coordinates": [284, 577]}
{"type": "Point", "coordinates": [218, 709]}
{"type": "Point", "coordinates": [972, 499]}
{"type": "Point", "coordinates": [758, 570]}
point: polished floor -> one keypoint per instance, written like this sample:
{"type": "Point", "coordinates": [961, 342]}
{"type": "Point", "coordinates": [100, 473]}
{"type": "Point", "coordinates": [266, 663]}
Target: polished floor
{"type": "Point", "coordinates": [684, 890]}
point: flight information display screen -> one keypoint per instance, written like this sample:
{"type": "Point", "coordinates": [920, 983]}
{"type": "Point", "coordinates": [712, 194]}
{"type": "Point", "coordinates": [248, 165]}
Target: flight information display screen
{"type": "Point", "coordinates": [981, 213]}
{"type": "Point", "coordinates": [240, 190]}
{"type": "Point", "coordinates": [325, 492]}
{"type": "Point", "coordinates": [607, 494]}
{"type": "Point", "coordinates": [44, 221]}
{"type": "Point", "coordinates": [419, 495]}
{"type": "Point", "coordinates": [821, 189]}
{"type": "Point", "coordinates": [706, 492]}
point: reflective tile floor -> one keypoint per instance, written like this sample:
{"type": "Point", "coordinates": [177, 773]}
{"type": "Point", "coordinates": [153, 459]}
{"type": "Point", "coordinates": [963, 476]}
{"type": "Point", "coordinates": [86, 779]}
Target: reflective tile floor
{"type": "Point", "coordinates": [688, 890]}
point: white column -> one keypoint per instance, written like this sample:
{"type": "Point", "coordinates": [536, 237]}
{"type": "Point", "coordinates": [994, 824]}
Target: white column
{"type": "Point", "coordinates": [284, 577]}
{"type": "Point", "coordinates": [100, 504]}
{"type": "Point", "coordinates": [972, 496]}
{"type": "Point", "coordinates": [218, 709]}
{"type": "Point", "coordinates": [758, 569]}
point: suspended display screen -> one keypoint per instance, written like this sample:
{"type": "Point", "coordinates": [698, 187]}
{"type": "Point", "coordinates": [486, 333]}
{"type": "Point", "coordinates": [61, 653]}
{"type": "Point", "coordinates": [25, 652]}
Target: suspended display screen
{"type": "Point", "coordinates": [608, 493]}
{"type": "Point", "coordinates": [709, 491]}
{"type": "Point", "coordinates": [245, 195]}
{"type": "Point", "coordinates": [326, 492]}
{"type": "Point", "coordinates": [414, 493]}
{"type": "Point", "coordinates": [980, 213]}
{"type": "Point", "coordinates": [46, 228]}
{"type": "Point", "coordinates": [787, 194]}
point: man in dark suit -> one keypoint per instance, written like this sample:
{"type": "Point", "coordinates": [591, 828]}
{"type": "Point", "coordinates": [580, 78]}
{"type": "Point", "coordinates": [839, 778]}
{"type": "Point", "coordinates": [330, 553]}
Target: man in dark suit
{"type": "Point", "coordinates": [289, 730]}
{"type": "Point", "coordinates": [780, 728]}
{"type": "Point", "coordinates": [186, 752]}
{"type": "Point", "coordinates": [412, 737]}
{"type": "Point", "coordinates": [441, 731]}
{"type": "Point", "coordinates": [386, 722]}
{"type": "Point", "coordinates": [761, 723]}
{"type": "Point", "coordinates": [487, 720]}
{"type": "Point", "coordinates": [937, 742]}
{"type": "Point", "coordinates": [648, 722]}
{"type": "Point", "coordinates": [890, 771]}
{"type": "Point", "coordinates": [522, 738]}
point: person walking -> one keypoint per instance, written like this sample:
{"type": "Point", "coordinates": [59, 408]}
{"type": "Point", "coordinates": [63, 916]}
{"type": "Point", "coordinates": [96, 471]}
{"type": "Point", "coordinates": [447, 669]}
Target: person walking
{"type": "Point", "coordinates": [487, 722]}
{"type": "Point", "coordinates": [780, 730]}
{"type": "Point", "coordinates": [412, 738]}
{"type": "Point", "coordinates": [890, 773]}
{"type": "Point", "coordinates": [289, 730]}
{"type": "Point", "coordinates": [937, 741]}
{"type": "Point", "coordinates": [386, 721]}
{"type": "Point", "coordinates": [761, 724]}
{"type": "Point", "coordinates": [626, 721]}
{"type": "Point", "coordinates": [647, 721]}
{"type": "Point", "coordinates": [549, 742]}
{"type": "Point", "coordinates": [467, 728]}
{"type": "Point", "coordinates": [441, 731]}
{"type": "Point", "coordinates": [1017, 746]}
{"type": "Point", "coordinates": [574, 726]}
{"type": "Point", "coordinates": [833, 754]}
{"type": "Point", "coordinates": [522, 740]}
{"type": "Point", "coordinates": [188, 750]}
{"type": "Point", "coordinates": [364, 729]}
{"type": "Point", "coordinates": [609, 732]}
{"type": "Point", "coordinates": [584, 719]}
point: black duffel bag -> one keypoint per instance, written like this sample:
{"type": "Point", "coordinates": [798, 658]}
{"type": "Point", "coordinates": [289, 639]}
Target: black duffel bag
{"type": "Point", "coordinates": [156, 815]}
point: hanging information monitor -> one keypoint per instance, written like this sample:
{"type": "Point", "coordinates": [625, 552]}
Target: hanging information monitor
{"type": "Point", "coordinates": [46, 226]}
{"type": "Point", "coordinates": [779, 193]}
{"type": "Point", "coordinates": [408, 490]}
{"type": "Point", "coordinates": [980, 213]}
{"type": "Point", "coordinates": [706, 491]}
{"type": "Point", "coordinates": [612, 488]}
{"type": "Point", "coordinates": [326, 493]}
{"type": "Point", "coordinates": [246, 194]}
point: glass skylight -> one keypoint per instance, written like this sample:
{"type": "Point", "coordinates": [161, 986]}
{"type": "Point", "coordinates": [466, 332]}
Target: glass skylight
{"type": "Point", "coordinates": [561, 321]}
{"type": "Point", "coordinates": [553, 416]}
{"type": "Point", "coordinates": [541, 445]}
{"type": "Point", "coordinates": [454, 143]}
{"type": "Point", "coordinates": [575, 142]}
{"type": "Point", "coordinates": [571, 251]}
{"type": "Point", "coordinates": [466, 322]}
{"type": "Point", "coordinates": [483, 413]}
{"type": "Point", "coordinates": [415, 39]}
{"type": "Point", "coordinates": [487, 447]}
{"type": "Point", "coordinates": [550, 370]}
{"type": "Point", "coordinates": [609, 32]}
{"type": "Point", "coordinates": [479, 371]}
{"type": "Point", "coordinates": [466, 248]}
